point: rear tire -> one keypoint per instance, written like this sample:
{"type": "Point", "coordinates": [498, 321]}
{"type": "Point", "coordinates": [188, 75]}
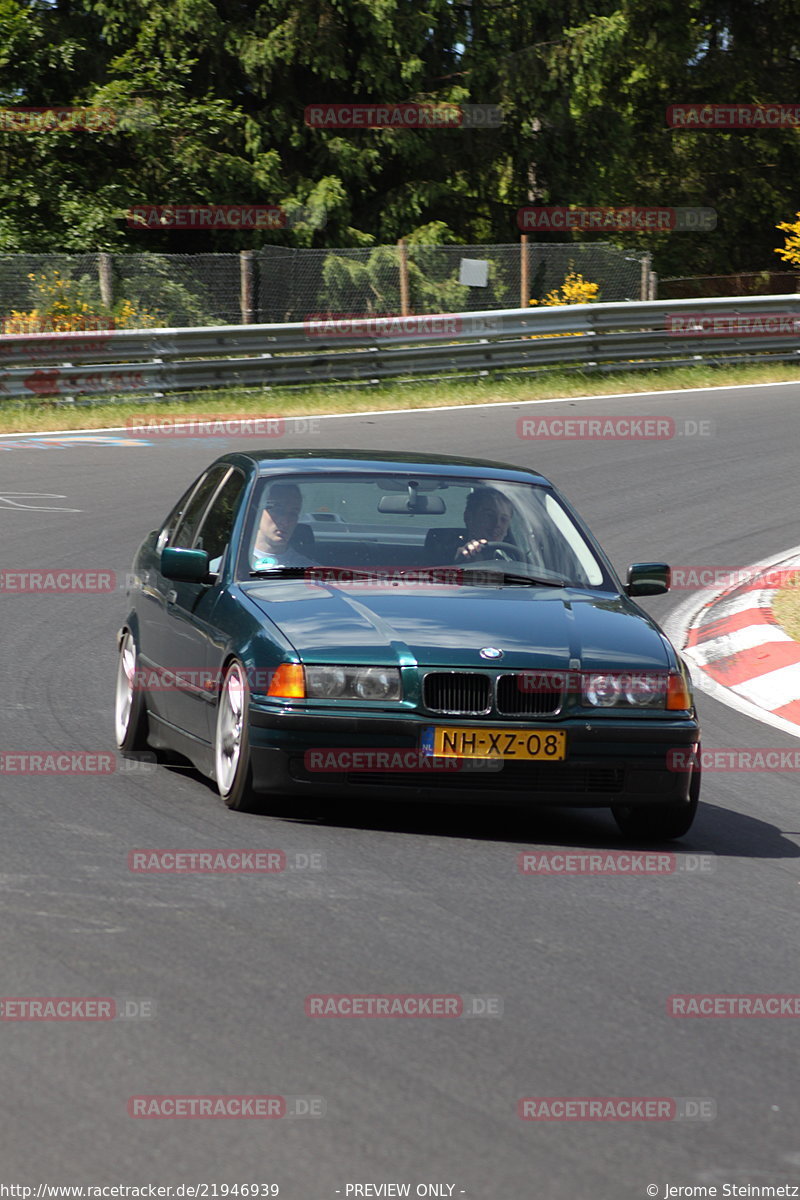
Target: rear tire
{"type": "Point", "coordinates": [660, 822]}
{"type": "Point", "coordinates": [130, 710]}
{"type": "Point", "coordinates": [232, 768]}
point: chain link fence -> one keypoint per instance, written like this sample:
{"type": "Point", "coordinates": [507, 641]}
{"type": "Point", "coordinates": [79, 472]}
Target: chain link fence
{"type": "Point", "coordinates": [173, 289]}
{"type": "Point", "coordinates": [746, 283]}
{"type": "Point", "coordinates": [277, 283]}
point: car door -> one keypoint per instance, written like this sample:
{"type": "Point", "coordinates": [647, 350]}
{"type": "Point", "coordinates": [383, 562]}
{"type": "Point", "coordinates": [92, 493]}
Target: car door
{"type": "Point", "coordinates": [150, 592]}
{"type": "Point", "coordinates": [177, 640]}
{"type": "Point", "coordinates": [214, 536]}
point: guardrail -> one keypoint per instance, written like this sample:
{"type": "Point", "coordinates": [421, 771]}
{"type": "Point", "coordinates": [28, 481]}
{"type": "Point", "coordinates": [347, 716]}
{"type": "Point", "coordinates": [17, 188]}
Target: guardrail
{"type": "Point", "coordinates": [605, 337]}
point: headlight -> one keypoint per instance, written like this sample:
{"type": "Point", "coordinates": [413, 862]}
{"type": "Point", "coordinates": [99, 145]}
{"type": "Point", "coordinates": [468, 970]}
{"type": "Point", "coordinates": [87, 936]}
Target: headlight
{"type": "Point", "coordinates": [326, 682]}
{"type": "Point", "coordinates": [639, 689]}
{"type": "Point", "coordinates": [645, 688]}
{"type": "Point", "coordinates": [376, 683]}
{"type": "Point", "coordinates": [601, 690]}
{"type": "Point", "coordinates": [353, 683]}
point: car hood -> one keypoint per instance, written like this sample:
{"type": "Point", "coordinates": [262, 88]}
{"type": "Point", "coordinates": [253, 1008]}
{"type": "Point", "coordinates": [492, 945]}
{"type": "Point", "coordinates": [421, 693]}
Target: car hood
{"type": "Point", "coordinates": [542, 627]}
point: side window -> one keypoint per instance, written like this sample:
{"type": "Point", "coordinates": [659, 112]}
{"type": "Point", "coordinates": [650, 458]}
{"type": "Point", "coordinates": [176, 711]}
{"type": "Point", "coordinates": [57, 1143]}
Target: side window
{"type": "Point", "coordinates": [184, 534]}
{"type": "Point", "coordinates": [215, 531]}
{"type": "Point", "coordinates": [169, 526]}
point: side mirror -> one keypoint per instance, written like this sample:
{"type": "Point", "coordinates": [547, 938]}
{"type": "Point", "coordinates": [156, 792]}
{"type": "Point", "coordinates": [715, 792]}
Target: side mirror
{"type": "Point", "coordinates": [184, 566]}
{"type": "Point", "coordinates": [647, 579]}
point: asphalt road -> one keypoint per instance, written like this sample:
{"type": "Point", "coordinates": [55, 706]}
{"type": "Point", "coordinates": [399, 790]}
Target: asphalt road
{"type": "Point", "coordinates": [408, 901]}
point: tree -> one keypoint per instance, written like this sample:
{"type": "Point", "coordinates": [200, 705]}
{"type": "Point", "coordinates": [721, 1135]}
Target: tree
{"type": "Point", "coordinates": [210, 100]}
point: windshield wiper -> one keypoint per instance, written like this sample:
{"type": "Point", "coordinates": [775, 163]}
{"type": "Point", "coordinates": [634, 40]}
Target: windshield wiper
{"type": "Point", "coordinates": [514, 580]}
{"type": "Point", "coordinates": [277, 572]}
{"type": "Point", "coordinates": [437, 575]}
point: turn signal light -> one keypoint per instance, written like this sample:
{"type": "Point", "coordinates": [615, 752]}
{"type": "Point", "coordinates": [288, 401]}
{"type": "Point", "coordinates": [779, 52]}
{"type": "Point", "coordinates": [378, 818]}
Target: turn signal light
{"type": "Point", "coordinates": [288, 682]}
{"type": "Point", "coordinates": [678, 694]}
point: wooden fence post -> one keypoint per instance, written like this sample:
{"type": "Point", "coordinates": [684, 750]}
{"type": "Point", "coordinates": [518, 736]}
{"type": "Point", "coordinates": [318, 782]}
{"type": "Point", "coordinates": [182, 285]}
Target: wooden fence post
{"type": "Point", "coordinates": [106, 279]}
{"type": "Point", "coordinates": [247, 286]}
{"type": "Point", "coordinates": [403, 263]}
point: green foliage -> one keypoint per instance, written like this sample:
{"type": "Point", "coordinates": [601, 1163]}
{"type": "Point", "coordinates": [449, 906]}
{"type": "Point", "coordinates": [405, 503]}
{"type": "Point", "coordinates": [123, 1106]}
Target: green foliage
{"type": "Point", "coordinates": [209, 101]}
{"type": "Point", "coordinates": [432, 282]}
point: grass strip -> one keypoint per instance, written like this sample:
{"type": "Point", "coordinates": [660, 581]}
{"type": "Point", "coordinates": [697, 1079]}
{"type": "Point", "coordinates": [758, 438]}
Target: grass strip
{"type": "Point", "coordinates": [42, 415]}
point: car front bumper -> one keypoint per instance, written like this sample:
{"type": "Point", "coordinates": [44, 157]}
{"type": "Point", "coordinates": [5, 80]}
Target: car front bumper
{"type": "Point", "coordinates": [608, 762]}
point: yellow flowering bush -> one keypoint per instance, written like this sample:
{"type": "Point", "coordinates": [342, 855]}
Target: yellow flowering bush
{"type": "Point", "coordinates": [60, 308]}
{"type": "Point", "coordinates": [790, 252]}
{"type": "Point", "coordinates": [574, 290]}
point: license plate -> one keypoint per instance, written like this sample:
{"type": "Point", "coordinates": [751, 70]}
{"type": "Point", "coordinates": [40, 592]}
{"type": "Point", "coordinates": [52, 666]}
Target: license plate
{"type": "Point", "coordinates": [448, 741]}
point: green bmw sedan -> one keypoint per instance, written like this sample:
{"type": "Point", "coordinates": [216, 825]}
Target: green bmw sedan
{"type": "Point", "coordinates": [403, 626]}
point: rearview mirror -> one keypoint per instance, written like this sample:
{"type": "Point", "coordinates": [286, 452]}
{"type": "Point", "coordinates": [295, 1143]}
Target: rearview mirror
{"type": "Point", "coordinates": [647, 579]}
{"type": "Point", "coordinates": [184, 566]}
{"type": "Point", "coordinates": [413, 504]}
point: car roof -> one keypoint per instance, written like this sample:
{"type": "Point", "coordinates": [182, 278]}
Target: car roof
{"type": "Point", "coordinates": [313, 461]}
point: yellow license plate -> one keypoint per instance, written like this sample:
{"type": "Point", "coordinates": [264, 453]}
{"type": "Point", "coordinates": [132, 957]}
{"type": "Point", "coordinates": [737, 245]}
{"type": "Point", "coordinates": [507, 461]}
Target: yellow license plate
{"type": "Point", "coordinates": [457, 742]}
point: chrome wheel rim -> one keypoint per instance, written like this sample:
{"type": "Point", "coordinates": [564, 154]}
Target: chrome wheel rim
{"type": "Point", "coordinates": [126, 672]}
{"type": "Point", "coordinates": [230, 726]}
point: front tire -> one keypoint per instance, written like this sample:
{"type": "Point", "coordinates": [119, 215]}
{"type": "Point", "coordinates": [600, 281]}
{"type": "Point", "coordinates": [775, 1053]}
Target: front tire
{"type": "Point", "coordinates": [660, 822]}
{"type": "Point", "coordinates": [232, 769]}
{"type": "Point", "coordinates": [130, 711]}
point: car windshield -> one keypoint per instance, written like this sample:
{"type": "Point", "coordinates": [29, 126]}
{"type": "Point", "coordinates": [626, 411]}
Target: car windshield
{"type": "Point", "coordinates": [379, 523]}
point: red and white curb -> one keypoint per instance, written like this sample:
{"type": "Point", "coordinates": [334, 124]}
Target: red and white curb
{"type": "Point", "coordinates": [735, 648]}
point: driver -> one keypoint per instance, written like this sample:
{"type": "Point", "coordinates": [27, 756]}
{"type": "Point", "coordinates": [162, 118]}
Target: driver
{"type": "Point", "coordinates": [276, 529]}
{"type": "Point", "coordinates": [487, 517]}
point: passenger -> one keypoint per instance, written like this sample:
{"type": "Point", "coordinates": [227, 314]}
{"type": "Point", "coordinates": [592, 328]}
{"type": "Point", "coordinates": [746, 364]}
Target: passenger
{"type": "Point", "coordinates": [487, 517]}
